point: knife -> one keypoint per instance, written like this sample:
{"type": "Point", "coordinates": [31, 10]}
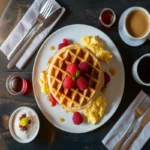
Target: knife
{"type": "Point", "coordinates": [54, 15]}
{"type": "Point", "coordinates": [143, 122]}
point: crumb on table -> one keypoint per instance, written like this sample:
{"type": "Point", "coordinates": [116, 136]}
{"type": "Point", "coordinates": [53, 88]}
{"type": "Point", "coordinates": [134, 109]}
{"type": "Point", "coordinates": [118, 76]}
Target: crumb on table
{"type": "Point", "coordinates": [5, 121]}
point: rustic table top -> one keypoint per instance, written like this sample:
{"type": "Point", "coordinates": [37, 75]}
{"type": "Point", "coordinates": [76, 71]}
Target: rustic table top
{"type": "Point", "coordinates": [49, 137]}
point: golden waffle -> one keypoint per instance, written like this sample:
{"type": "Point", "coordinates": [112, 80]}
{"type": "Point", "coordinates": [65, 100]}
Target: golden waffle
{"type": "Point", "coordinates": [74, 99]}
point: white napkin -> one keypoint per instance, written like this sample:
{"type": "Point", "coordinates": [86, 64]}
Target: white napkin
{"type": "Point", "coordinates": [24, 25]}
{"type": "Point", "coordinates": [116, 132]}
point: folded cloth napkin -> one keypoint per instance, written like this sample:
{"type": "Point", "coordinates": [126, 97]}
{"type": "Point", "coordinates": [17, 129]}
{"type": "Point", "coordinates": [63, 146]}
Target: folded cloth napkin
{"type": "Point", "coordinates": [117, 131]}
{"type": "Point", "coordinates": [23, 26]}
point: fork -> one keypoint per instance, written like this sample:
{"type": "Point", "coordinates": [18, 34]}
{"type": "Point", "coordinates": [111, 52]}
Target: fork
{"type": "Point", "coordinates": [44, 13]}
{"type": "Point", "coordinates": [140, 110]}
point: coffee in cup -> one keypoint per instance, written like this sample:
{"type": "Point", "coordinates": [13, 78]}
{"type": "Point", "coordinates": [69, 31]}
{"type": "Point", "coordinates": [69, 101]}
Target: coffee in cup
{"type": "Point", "coordinates": [137, 23]}
{"type": "Point", "coordinates": [141, 70]}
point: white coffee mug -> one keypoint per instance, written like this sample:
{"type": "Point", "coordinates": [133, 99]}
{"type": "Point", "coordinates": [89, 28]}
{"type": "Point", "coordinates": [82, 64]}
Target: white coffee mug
{"type": "Point", "coordinates": [135, 70]}
{"type": "Point", "coordinates": [146, 36]}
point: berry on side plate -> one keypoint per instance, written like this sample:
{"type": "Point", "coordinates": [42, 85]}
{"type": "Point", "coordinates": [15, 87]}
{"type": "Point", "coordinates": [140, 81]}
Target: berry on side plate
{"type": "Point", "coordinates": [72, 69]}
{"type": "Point", "coordinates": [84, 67]}
{"type": "Point", "coordinates": [20, 118]}
{"type": "Point", "coordinates": [20, 126]}
{"type": "Point", "coordinates": [53, 100]}
{"type": "Point", "coordinates": [77, 118]}
{"type": "Point", "coordinates": [68, 83]}
{"type": "Point", "coordinates": [24, 128]}
{"type": "Point", "coordinates": [24, 116]}
{"type": "Point", "coordinates": [82, 83]}
{"type": "Point", "coordinates": [29, 122]}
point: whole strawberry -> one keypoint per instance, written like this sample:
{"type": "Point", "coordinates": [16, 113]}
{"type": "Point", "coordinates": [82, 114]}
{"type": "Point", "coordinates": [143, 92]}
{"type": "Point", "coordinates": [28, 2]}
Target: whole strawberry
{"type": "Point", "coordinates": [73, 69]}
{"type": "Point", "coordinates": [82, 83]}
{"type": "Point", "coordinates": [68, 83]}
{"type": "Point", "coordinates": [77, 118]}
{"type": "Point", "coordinates": [84, 67]}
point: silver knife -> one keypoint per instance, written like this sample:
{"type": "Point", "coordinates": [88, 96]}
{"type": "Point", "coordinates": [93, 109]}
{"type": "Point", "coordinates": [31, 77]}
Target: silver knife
{"type": "Point", "coordinates": [46, 24]}
{"type": "Point", "coordinates": [143, 122]}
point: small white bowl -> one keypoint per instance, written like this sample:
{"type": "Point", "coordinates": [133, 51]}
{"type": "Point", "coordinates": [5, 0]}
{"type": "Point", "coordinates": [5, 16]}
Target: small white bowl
{"type": "Point", "coordinates": [12, 130]}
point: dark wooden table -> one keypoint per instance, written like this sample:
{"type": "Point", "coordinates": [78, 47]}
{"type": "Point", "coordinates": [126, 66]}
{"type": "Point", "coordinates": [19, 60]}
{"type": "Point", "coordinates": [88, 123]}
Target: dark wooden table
{"type": "Point", "coordinates": [49, 137]}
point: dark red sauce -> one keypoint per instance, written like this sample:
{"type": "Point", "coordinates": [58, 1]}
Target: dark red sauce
{"type": "Point", "coordinates": [107, 17]}
{"type": "Point", "coordinates": [16, 84]}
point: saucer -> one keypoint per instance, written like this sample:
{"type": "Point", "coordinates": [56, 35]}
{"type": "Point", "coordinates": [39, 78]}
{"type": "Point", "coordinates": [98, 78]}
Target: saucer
{"type": "Point", "coordinates": [128, 41]}
{"type": "Point", "coordinates": [12, 126]}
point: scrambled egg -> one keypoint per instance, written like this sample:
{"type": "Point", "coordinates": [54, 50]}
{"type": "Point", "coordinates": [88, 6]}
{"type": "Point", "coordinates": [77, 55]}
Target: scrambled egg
{"type": "Point", "coordinates": [96, 110]}
{"type": "Point", "coordinates": [97, 47]}
{"type": "Point", "coordinates": [43, 82]}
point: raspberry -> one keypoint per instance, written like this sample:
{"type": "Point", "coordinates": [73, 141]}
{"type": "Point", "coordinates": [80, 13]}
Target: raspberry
{"type": "Point", "coordinates": [61, 45]}
{"type": "Point", "coordinates": [68, 82]}
{"type": "Point", "coordinates": [20, 118]}
{"type": "Point", "coordinates": [81, 83]}
{"type": "Point", "coordinates": [24, 128]}
{"type": "Point", "coordinates": [65, 41]}
{"type": "Point", "coordinates": [72, 68]}
{"type": "Point", "coordinates": [106, 79]}
{"type": "Point", "coordinates": [24, 116]}
{"type": "Point", "coordinates": [53, 100]}
{"type": "Point", "coordinates": [20, 126]}
{"type": "Point", "coordinates": [77, 118]}
{"type": "Point", "coordinates": [29, 122]}
{"type": "Point", "coordinates": [84, 67]}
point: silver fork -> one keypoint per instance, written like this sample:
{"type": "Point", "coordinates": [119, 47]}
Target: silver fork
{"type": "Point", "coordinates": [44, 13]}
{"type": "Point", "coordinates": [140, 110]}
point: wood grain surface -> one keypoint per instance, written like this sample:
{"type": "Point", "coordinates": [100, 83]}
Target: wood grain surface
{"type": "Point", "coordinates": [49, 137]}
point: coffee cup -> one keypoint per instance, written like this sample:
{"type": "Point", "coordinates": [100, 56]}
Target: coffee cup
{"type": "Point", "coordinates": [137, 23]}
{"type": "Point", "coordinates": [141, 70]}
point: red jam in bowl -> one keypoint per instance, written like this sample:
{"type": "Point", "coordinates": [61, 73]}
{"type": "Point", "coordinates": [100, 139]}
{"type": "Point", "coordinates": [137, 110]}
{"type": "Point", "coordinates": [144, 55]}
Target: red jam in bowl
{"type": "Point", "coordinates": [16, 85]}
{"type": "Point", "coordinates": [107, 17]}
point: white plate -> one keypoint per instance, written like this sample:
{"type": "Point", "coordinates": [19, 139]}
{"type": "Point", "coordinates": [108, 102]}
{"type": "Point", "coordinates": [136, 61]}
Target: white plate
{"type": "Point", "coordinates": [114, 89]}
{"type": "Point", "coordinates": [128, 41]}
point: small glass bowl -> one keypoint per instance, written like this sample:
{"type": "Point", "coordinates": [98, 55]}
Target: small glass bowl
{"type": "Point", "coordinates": [10, 89]}
{"type": "Point", "coordinates": [112, 21]}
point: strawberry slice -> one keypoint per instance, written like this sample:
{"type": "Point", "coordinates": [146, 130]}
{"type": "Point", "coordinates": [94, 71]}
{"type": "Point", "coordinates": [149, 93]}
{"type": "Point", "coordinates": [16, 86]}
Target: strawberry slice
{"type": "Point", "coordinates": [53, 100]}
{"type": "Point", "coordinates": [65, 41]}
{"type": "Point", "coordinates": [61, 45]}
